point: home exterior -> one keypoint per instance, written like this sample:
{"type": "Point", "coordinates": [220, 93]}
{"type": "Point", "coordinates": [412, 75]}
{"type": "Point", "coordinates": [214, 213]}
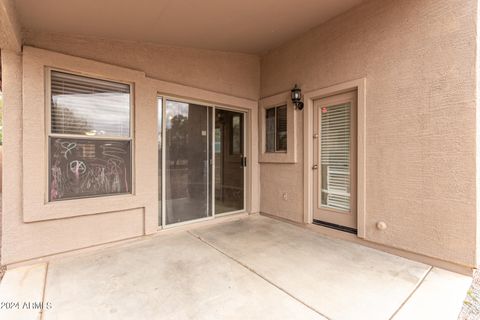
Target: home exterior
{"type": "Point", "coordinates": [185, 135]}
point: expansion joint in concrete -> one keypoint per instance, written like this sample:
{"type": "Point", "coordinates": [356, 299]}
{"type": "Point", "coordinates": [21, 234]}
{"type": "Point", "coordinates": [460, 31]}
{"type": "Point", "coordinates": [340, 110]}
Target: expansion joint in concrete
{"type": "Point", "coordinates": [257, 274]}
{"type": "Point", "coordinates": [411, 293]}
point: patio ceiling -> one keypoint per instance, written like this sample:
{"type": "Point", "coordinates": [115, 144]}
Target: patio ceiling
{"type": "Point", "coordinates": [249, 26]}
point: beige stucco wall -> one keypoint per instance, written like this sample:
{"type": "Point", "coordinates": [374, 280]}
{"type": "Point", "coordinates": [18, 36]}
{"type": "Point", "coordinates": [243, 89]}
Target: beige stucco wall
{"type": "Point", "coordinates": [234, 74]}
{"type": "Point", "coordinates": [33, 228]}
{"type": "Point", "coordinates": [10, 29]}
{"type": "Point", "coordinates": [418, 57]}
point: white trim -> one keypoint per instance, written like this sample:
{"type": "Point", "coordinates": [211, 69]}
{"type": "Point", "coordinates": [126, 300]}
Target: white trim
{"type": "Point", "coordinates": [309, 97]}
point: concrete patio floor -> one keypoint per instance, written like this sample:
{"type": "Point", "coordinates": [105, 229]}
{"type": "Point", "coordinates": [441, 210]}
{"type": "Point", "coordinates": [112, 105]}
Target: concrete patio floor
{"type": "Point", "coordinates": [250, 268]}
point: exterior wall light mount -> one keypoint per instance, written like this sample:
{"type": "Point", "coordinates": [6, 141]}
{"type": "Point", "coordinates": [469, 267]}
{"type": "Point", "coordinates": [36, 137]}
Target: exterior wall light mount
{"type": "Point", "coordinates": [297, 97]}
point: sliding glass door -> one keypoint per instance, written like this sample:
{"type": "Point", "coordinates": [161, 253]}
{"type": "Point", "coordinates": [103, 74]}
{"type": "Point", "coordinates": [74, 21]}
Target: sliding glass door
{"type": "Point", "coordinates": [230, 161]}
{"type": "Point", "coordinates": [201, 153]}
{"type": "Point", "coordinates": [187, 162]}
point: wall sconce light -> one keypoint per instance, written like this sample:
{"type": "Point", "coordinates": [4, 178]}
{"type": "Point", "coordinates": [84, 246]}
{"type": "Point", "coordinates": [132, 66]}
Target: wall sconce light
{"type": "Point", "coordinates": [297, 97]}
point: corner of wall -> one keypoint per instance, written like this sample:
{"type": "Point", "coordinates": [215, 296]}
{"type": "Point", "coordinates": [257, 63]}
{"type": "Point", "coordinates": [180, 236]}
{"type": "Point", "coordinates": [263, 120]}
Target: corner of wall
{"type": "Point", "coordinates": [12, 146]}
{"type": "Point", "coordinates": [10, 28]}
{"type": "Point", "coordinates": [477, 132]}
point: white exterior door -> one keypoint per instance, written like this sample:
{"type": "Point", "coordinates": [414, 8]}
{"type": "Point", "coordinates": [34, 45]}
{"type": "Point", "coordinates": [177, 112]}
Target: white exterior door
{"type": "Point", "coordinates": [334, 170]}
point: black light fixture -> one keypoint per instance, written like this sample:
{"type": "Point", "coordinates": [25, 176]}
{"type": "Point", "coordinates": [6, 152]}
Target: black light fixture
{"type": "Point", "coordinates": [297, 97]}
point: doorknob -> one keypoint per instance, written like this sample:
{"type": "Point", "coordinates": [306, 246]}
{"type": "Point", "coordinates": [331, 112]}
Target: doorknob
{"type": "Point", "coordinates": [315, 167]}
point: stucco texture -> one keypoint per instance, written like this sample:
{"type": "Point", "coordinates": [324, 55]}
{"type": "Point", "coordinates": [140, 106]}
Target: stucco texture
{"type": "Point", "coordinates": [235, 74]}
{"type": "Point", "coordinates": [418, 57]}
{"type": "Point", "coordinates": [34, 228]}
{"type": "Point", "coordinates": [10, 29]}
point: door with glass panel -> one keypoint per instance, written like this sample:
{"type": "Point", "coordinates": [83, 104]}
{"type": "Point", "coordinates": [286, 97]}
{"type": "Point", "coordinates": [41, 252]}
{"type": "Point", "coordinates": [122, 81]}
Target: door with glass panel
{"type": "Point", "coordinates": [230, 161]}
{"type": "Point", "coordinates": [334, 169]}
{"type": "Point", "coordinates": [185, 190]}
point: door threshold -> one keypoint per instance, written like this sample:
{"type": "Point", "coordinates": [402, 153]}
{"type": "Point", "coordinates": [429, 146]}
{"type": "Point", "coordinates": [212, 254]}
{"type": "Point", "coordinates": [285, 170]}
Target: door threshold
{"type": "Point", "coordinates": [218, 215]}
{"type": "Point", "coordinates": [187, 222]}
{"type": "Point", "coordinates": [202, 222]}
{"type": "Point", "coordinates": [335, 226]}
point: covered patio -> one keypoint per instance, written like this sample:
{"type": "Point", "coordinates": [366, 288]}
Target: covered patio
{"type": "Point", "coordinates": [256, 159]}
{"type": "Point", "coordinates": [250, 267]}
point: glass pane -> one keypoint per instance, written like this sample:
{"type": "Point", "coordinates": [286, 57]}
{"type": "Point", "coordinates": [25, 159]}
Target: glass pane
{"type": "Point", "coordinates": [335, 157]}
{"type": "Point", "coordinates": [159, 144]}
{"type": "Point", "coordinates": [270, 130]}
{"type": "Point", "coordinates": [229, 177]}
{"type": "Point", "coordinates": [90, 107]}
{"type": "Point", "coordinates": [88, 168]}
{"type": "Point", "coordinates": [281, 128]}
{"type": "Point", "coordinates": [236, 135]}
{"type": "Point", "coordinates": [187, 184]}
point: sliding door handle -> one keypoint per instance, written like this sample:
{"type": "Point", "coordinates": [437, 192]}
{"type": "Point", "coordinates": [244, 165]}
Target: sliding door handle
{"type": "Point", "coordinates": [243, 162]}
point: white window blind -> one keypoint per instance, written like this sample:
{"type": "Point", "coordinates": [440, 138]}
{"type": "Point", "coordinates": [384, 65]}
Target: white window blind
{"type": "Point", "coordinates": [87, 106]}
{"type": "Point", "coordinates": [335, 156]}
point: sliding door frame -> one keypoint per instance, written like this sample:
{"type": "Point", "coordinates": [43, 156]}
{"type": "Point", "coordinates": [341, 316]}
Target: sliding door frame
{"type": "Point", "coordinates": [210, 148]}
{"type": "Point", "coordinates": [245, 154]}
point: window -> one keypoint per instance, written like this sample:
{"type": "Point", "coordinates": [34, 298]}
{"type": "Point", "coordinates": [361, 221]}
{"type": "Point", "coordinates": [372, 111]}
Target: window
{"type": "Point", "coordinates": [335, 155]}
{"type": "Point", "coordinates": [276, 129]}
{"type": "Point", "coordinates": [90, 137]}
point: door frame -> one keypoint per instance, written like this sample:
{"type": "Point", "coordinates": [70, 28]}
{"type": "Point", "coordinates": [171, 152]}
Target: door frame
{"type": "Point", "coordinates": [332, 215]}
{"type": "Point", "coordinates": [211, 148]}
{"type": "Point", "coordinates": [245, 154]}
{"type": "Point", "coordinates": [359, 86]}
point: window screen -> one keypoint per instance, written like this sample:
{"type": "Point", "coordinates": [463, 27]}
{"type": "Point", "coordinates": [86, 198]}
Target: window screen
{"type": "Point", "coordinates": [90, 137]}
{"type": "Point", "coordinates": [335, 155]}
